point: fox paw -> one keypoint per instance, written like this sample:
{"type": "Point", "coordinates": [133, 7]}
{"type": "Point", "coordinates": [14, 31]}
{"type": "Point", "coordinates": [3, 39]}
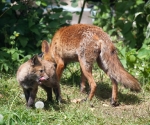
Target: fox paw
{"type": "Point", "coordinates": [62, 100]}
{"type": "Point", "coordinates": [114, 103]}
{"type": "Point", "coordinates": [82, 90]}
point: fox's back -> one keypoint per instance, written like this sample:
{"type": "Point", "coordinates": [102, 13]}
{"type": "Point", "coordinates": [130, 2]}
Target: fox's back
{"type": "Point", "coordinates": [68, 40]}
{"type": "Point", "coordinates": [23, 71]}
{"type": "Point", "coordinates": [71, 36]}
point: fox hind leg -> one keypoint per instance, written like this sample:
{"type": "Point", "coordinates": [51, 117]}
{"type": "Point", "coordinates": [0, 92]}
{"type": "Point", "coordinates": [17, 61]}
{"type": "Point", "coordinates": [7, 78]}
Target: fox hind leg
{"type": "Point", "coordinates": [57, 92]}
{"type": "Point", "coordinates": [114, 85]}
{"type": "Point", "coordinates": [114, 101]}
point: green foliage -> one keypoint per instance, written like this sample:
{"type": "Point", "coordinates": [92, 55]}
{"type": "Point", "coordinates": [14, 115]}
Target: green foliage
{"type": "Point", "coordinates": [128, 23]}
{"type": "Point", "coordinates": [136, 62]}
{"type": "Point", "coordinates": [126, 19]}
{"type": "Point", "coordinates": [23, 26]}
{"type": "Point", "coordinates": [74, 3]}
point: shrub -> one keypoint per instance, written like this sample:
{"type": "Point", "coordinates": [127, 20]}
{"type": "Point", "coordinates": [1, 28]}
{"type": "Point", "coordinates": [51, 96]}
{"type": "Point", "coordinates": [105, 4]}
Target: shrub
{"type": "Point", "coordinates": [22, 27]}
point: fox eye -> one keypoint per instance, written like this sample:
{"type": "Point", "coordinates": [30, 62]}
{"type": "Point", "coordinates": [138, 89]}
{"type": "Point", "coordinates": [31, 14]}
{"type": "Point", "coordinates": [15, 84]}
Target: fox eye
{"type": "Point", "coordinates": [41, 71]}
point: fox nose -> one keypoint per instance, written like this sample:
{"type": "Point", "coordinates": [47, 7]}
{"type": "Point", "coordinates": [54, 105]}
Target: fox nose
{"type": "Point", "coordinates": [47, 78]}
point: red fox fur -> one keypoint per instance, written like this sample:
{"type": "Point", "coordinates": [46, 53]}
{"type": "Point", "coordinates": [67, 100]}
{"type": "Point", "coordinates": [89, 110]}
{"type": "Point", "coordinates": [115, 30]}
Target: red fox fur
{"type": "Point", "coordinates": [86, 44]}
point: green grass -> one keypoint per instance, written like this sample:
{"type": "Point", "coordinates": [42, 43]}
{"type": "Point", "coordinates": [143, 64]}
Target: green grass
{"type": "Point", "coordinates": [134, 108]}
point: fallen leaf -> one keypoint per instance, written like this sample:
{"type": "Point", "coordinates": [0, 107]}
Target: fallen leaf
{"type": "Point", "coordinates": [105, 105]}
{"type": "Point", "coordinates": [76, 100]}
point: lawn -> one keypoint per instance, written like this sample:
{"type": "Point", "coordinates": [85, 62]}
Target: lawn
{"type": "Point", "coordinates": [134, 108]}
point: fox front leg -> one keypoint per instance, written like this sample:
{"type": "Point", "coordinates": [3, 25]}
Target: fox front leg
{"type": "Point", "coordinates": [48, 90]}
{"type": "Point", "coordinates": [83, 82]}
{"type": "Point", "coordinates": [27, 94]}
{"type": "Point", "coordinates": [30, 95]}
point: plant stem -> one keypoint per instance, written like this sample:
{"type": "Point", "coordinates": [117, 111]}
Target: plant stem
{"type": "Point", "coordinates": [81, 12]}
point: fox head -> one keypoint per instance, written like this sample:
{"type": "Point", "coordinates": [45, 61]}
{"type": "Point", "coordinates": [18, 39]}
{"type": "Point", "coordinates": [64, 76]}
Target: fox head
{"type": "Point", "coordinates": [37, 70]}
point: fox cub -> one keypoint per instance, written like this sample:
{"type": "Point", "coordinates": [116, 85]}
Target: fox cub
{"type": "Point", "coordinates": [37, 72]}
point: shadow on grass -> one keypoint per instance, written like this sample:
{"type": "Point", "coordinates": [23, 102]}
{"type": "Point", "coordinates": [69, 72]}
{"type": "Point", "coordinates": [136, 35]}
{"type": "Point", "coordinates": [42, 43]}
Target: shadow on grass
{"type": "Point", "coordinates": [73, 80]}
{"type": "Point", "coordinates": [54, 105]}
{"type": "Point", "coordinates": [104, 91]}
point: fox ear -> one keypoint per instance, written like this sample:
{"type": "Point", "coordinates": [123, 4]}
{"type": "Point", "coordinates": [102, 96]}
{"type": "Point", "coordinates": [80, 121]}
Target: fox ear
{"type": "Point", "coordinates": [34, 60]}
{"type": "Point", "coordinates": [45, 46]}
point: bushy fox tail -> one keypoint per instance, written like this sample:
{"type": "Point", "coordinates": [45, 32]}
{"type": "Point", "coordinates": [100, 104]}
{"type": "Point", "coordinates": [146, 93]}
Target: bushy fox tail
{"type": "Point", "coordinates": [110, 63]}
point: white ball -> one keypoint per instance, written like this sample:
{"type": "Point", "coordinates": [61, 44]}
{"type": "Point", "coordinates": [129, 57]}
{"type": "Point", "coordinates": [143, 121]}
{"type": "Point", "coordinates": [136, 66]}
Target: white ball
{"type": "Point", "coordinates": [39, 105]}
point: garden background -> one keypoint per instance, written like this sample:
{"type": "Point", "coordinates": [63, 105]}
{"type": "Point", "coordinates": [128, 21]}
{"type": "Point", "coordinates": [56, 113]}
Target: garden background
{"type": "Point", "coordinates": [23, 26]}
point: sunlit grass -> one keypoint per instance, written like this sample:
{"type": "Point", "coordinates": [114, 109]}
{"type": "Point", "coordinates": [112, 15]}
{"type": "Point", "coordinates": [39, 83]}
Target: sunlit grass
{"type": "Point", "coordinates": [133, 110]}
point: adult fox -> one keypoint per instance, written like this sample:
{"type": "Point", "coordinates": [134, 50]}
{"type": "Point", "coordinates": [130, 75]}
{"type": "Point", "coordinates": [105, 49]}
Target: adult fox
{"type": "Point", "coordinates": [86, 44]}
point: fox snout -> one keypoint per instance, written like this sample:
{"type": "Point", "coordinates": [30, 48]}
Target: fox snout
{"type": "Point", "coordinates": [43, 78]}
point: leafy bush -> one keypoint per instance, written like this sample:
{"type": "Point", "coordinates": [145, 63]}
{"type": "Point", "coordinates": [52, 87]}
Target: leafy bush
{"type": "Point", "coordinates": [128, 22]}
{"type": "Point", "coordinates": [22, 27]}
